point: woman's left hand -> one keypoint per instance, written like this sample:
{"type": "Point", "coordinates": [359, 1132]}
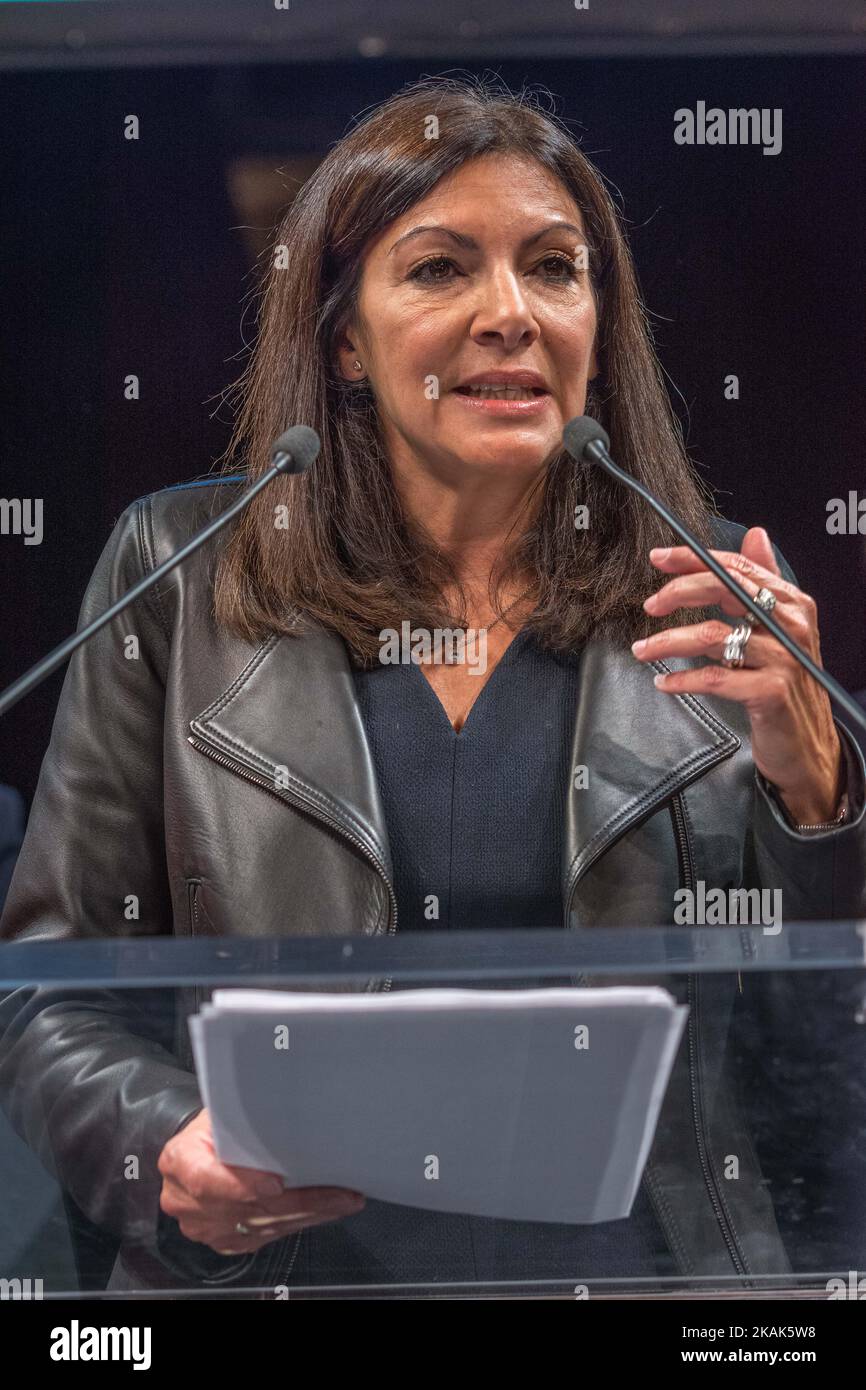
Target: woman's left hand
{"type": "Point", "coordinates": [794, 740]}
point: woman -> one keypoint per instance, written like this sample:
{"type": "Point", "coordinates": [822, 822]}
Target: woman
{"type": "Point", "coordinates": [456, 287]}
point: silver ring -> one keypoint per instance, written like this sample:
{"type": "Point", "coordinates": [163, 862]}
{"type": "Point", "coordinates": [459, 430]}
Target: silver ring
{"type": "Point", "coordinates": [764, 598]}
{"type": "Point", "coordinates": [735, 646]}
{"type": "Point", "coordinates": [242, 1230]}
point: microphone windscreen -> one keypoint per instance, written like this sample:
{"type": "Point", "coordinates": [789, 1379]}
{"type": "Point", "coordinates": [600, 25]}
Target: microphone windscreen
{"type": "Point", "coordinates": [579, 432]}
{"type": "Point", "coordinates": [302, 443]}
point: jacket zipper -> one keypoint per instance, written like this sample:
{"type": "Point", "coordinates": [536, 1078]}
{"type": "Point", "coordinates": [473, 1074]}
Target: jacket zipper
{"type": "Point", "coordinates": [183, 1046]}
{"type": "Point", "coordinates": [684, 850]}
{"type": "Point", "coordinates": [709, 1177]}
{"type": "Point", "coordinates": [192, 899]}
{"type": "Point", "coordinates": [333, 824]}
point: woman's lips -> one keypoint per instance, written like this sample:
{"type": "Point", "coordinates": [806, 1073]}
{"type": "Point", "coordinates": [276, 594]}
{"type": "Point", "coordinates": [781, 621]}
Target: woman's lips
{"type": "Point", "coordinates": [534, 405]}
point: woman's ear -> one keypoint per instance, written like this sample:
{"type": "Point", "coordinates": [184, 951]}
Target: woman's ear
{"type": "Point", "coordinates": [349, 359]}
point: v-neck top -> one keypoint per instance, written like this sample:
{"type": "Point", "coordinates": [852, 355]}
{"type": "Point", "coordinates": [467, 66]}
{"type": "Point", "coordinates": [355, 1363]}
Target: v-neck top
{"type": "Point", "coordinates": [475, 821]}
{"type": "Point", "coordinates": [475, 818]}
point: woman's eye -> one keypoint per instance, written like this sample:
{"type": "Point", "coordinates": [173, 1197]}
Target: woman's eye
{"type": "Point", "coordinates": [428, 271]}
{"type": "Point", "coordinates": [438, 270]}
{"type": "Point", "coordinates": [567, 270]}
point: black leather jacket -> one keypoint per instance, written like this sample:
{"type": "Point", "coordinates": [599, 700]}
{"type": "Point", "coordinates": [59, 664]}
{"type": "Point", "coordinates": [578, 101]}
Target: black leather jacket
{"type": "Point", "coordinates": [159, 782]}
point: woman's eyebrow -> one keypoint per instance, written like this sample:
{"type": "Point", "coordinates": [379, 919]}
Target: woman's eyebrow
{"type": "Point", "coordinates": [470, 244]}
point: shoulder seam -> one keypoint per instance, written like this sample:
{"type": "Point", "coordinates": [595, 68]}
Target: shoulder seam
{"type": "Point", "coordinates": [145, 530]}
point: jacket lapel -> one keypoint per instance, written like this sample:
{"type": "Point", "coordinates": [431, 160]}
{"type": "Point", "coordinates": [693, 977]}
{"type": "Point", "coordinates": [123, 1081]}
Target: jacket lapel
{"type": "Point", "coordinates": [634, 747]}
{"type": "Point", "coordinates": [291, 721]}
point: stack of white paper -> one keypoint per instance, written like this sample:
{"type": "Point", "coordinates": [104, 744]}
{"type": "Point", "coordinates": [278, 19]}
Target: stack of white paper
{"type": "Point", "coordinates": [533, 1105]}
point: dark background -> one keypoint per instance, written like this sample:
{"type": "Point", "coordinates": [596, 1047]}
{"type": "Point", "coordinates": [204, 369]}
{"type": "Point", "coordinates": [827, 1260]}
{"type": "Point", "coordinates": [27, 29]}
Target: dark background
{"type": "Point", "coordinates": [122, 256]}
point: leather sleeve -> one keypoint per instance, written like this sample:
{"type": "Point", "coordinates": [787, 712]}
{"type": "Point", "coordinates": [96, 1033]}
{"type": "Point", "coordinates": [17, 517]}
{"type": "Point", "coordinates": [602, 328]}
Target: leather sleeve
{"type": "Point", "coordinates": [87, 1077]}
{"type": "Point", "coordinates": [822, 874]}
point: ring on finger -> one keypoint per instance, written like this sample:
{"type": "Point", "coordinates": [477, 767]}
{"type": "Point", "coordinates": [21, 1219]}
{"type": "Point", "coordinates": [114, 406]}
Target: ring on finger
{"type": "Point", "coordinates": [733, 655]}
{"type": "Point", "coordinates": [765, 599]}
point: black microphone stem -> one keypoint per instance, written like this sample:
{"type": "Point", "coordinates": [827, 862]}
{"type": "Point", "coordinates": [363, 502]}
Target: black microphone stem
{"type": "Point", "coordinates": [15, 692]}
{"type": "Point", "coordinates": [596, 451]}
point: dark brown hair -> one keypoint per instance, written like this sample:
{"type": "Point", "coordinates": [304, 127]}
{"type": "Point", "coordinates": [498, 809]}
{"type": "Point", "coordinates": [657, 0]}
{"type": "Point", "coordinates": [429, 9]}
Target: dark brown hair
{"type": "Point", "coordinates": [346, 554]}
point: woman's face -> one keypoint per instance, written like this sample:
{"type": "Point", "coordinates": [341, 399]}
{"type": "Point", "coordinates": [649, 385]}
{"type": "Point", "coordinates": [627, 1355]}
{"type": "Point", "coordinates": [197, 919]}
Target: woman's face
{"type": "Point", "coordinates": [480, 282]}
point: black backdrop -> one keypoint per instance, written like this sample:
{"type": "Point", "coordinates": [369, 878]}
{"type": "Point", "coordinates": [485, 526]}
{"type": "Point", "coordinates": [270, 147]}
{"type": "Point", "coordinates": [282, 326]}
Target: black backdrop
{"type": "Point", "coordinates": [125, 257]}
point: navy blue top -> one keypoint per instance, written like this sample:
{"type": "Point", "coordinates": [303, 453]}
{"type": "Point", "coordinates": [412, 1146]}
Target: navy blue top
{"type": "Point", "coordinates": [476, 819]}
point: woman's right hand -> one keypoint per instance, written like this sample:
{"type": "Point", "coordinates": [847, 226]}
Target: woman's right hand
{"type": "Point", "coordinates": [208, 1198]}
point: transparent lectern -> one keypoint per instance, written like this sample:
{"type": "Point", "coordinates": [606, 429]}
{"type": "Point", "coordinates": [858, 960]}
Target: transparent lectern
{"type": "Point", "coordinates": [754, 1183]}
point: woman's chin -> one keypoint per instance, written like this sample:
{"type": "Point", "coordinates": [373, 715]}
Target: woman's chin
{"type": "Point", "coordinates": [519, 453]}
{"type": "Point", "coordinates": [515, 462]}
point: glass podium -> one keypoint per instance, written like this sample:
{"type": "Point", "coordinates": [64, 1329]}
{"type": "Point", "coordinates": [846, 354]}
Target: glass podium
{"type": "Point", "coordinates": [755, 1181]}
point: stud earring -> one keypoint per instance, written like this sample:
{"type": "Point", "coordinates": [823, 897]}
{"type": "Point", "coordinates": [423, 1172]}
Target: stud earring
{"type": "Point", "coordinates": [356, 364]}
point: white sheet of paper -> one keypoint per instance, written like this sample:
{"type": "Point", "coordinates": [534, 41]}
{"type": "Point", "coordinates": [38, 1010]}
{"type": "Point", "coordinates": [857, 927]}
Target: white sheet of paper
{"type": "Point", "coordinates": [530, 1105]}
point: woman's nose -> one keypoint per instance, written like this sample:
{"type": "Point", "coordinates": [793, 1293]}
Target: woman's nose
{"type": "Point", "coordinates": [503, 310]}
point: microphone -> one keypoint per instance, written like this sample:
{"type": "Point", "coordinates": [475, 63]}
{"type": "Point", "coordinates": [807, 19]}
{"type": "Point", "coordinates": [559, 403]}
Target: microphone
{"type": "Point", "coordinates": [587, 442]}
{"type": "Point", "coordinates": [293, 453]}
{"type": "Point", "coordinates": [295, 450]}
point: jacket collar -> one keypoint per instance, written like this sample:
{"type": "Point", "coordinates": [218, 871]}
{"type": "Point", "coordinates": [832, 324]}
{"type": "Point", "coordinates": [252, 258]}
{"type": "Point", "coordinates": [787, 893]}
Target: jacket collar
{"type": "Point", "coordinates": [291, 721]}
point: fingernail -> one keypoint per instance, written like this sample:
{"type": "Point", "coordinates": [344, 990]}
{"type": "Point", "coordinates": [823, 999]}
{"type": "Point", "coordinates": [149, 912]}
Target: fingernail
{"type": "Point", "coordinates": [660, 552]}
{"type": "Point", "coordinates": [638, 646]}
{"type": "Point", "coordinates": [658, 680]}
